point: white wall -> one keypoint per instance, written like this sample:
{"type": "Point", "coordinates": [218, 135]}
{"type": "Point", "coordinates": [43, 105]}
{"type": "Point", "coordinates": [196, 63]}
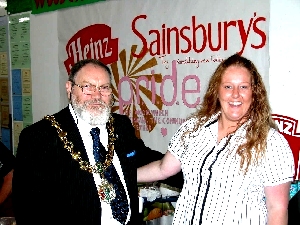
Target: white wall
{"type": "Point", "coordinates": [3, 12]}
{"type": "Point", "coordinates": [46, 86]}
{"type": "Point", "coordinates": [284, 77]}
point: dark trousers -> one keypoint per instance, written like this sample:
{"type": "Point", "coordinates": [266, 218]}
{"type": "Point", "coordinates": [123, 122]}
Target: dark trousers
{"type": "Point", "coordinates": [294, 210]}
{"type": "Point", "coordinates": [6, 208]}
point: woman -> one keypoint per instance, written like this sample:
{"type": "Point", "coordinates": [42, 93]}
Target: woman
{"type": "Point", "coordinates": [237, 168]}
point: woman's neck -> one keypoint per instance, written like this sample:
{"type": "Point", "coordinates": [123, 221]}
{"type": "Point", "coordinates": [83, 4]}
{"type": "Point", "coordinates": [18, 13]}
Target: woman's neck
{"type": "Point", "coordinates": [225, 128]}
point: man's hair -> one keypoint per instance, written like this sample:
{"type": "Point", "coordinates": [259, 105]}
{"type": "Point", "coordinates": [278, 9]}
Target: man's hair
{"type": "Point", "coordinates": [258, 116]}
{"type": "Point", "coordinates": [80, 64]}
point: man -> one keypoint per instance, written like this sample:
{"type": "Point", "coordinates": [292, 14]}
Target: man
{"type": "Point", "coordinates": [57, 180]}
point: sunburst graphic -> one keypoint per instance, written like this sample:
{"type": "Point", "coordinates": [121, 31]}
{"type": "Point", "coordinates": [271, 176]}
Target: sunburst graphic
{"type": "Point", "coordinates": [133, 68]}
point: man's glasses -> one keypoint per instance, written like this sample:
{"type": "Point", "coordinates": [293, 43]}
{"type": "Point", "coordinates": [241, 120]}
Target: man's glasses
{"type": "Point", "coordinates": [90, 89]}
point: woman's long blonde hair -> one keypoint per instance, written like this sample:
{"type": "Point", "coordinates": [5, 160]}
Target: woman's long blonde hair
{"type": "Point", "coordinates": [259, 114]}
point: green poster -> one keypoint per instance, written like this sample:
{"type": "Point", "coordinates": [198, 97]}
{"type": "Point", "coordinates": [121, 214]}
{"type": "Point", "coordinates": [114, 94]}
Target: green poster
{"type": "Point", "coordinates": [18, 6]}
{"type": "Point", "coordinates": [40, 6]}
{"type": "Point", "coordinates": [19, 29]}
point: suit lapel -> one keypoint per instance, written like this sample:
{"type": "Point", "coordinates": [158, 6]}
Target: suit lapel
{"type": "Point", "coordinates": [67, 123]}
{"type": "Point", "coordinates": [118, 150]}
{"type": "Point", "coordinates": [121, 148]}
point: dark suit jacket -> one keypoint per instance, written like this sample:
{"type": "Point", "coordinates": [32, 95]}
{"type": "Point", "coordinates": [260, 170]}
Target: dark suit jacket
{"type": "Point", "coordinates": [48, 185]}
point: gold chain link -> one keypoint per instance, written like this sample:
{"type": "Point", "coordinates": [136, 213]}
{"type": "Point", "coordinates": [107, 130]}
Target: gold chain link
{"type": "Point", "coordinates": [84, 165]}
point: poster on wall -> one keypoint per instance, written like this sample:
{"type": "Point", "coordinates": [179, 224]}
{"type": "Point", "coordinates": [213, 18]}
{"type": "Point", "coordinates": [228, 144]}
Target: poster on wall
{"type": "Point", "coordinates": [5, 128]}
{"type": "Point", "coordinates": [162, 53]}
{"type": "Point", "coordinates": [19, 28]}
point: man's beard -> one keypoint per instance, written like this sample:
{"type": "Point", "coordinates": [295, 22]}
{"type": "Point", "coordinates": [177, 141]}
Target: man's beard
{"type": "Point", "coordinates": [94, 115]}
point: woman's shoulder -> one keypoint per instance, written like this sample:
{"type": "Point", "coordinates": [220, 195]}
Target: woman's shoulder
{"type": "Point", "coordinates": [188, 124]}
{"type": "Point", "coordinates": [275, 136]}
{"type": "Point", "coordinates": [277, 143]}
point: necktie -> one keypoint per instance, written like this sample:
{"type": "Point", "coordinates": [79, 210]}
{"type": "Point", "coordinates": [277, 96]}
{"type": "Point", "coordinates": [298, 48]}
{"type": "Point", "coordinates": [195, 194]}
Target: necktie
{"type": "Point", "coordinates": [119, 205]}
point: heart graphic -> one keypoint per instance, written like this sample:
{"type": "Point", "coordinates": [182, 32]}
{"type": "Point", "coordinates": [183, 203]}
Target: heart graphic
{"type": "Point", "coordinates": [164, 131]}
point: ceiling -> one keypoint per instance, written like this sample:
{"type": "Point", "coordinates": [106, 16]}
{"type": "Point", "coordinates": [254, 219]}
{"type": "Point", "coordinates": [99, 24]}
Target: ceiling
{"type": "Point", "coordinates": [3, 4]}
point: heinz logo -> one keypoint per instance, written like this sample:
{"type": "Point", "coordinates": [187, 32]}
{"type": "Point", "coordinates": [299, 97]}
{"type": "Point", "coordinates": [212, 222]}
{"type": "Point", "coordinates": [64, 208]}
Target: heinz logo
{"type": "Point", "coordinates": [286, 125]}
{"type": "Point", "coordinates": [93, 41]}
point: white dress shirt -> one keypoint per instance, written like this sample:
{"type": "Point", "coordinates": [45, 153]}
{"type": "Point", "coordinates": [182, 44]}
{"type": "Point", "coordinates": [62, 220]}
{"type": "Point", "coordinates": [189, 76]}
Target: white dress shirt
{"type": "Point", "coordinates": [84, 129]}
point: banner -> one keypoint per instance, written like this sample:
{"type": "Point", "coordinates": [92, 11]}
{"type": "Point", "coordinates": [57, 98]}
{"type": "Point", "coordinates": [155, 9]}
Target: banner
{"type": "Point", "coordinates": [41, 6]}
{"type": "Point", "coordinates": [287, 126]}
{"type": "Point", "coordinates": [162, 53]}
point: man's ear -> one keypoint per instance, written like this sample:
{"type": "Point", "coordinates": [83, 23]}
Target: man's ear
{"type": "Point", "coordinates": [69, 89]}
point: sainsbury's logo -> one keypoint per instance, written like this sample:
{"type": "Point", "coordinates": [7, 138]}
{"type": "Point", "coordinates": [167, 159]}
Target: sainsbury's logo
{"type": "Point", "coordinates": [93, 41]}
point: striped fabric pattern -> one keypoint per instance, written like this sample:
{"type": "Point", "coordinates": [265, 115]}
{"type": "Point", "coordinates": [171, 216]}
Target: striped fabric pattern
{"type": "Point", "coordinates": [215, 191]}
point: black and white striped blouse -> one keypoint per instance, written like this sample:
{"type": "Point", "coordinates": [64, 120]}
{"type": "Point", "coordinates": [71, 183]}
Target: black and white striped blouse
{"type": "Point", "coordinates": [215, 191]}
